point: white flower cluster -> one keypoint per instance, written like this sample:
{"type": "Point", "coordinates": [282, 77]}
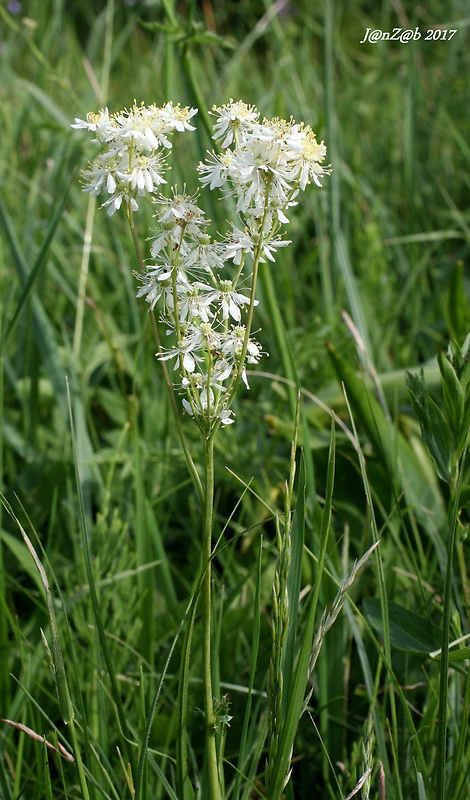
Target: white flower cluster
{"type": "Point", "coordinates": [131, 163]}
{"type": "Point", "coordinates": [201, 308]}
{"type": "Point", "coordinates": [264, 165]}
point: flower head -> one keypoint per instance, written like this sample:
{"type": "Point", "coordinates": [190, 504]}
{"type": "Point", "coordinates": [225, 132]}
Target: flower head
{"type": "Point", "coordinates": [131, 163]}
{"type": "Point", "coordinates": [208, 313]}
{"type": "Point", "coordinates": [265, 164]}
{"type": "Point", "coordinates": [232, 119]}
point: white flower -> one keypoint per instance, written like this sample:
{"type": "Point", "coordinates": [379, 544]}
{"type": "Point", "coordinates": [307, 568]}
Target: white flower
{"type": "Point", "coordinates": [229, 300]}
{"type": "Point", "coordinates": [151, 289]}
{"type": "Point", "coordinates": [192, 305]}
{"type": "Point", "coordinates": [231, 346]}
{"type": "Point", "coordinates": [269, 162]}
{"type": "Point", "coordinates": [143, 174]}
{"type": "Point", "coordinates": [310, 160]}
{"type": "Point", "coordinates": [160, 242]}
{"type": "Point", "coordinates": [206, 255]}
{"type": "Point", "coordinates": [114, 203]}
{"type": "Point", "coordinates": [101, 175]}
{"type": "Point", "coordinates": [203, 398]}
{"type": "Point", "coordinates": [197, 339]}
{"type": "Point", "coordinates": [226, 416]}
{"type": "Point", "coordinates": [264, 166]}
{"type": "Point", "coordinates": [216, 172]}
{"type": "Point", "coordinates": [129, 165]}
{"type": "Point", "coordinates": [99, 122]}
{"type": "Point", "coordinates": [115, 175]}
{"type": "Point", "coordinates": [270, 246]}
{"type": "Point", "coordinates": [177, 118]}
{"type": "Point", "coordinates": [239, 245]}
{"type": "Point", "coordinates": [157, 282]}
{"type": "Point", "coordinates": [147, 127]}
{"type": "Point", "coordinates": [181, 209]}
{"type": "Point", "coordinates": [233, 118]}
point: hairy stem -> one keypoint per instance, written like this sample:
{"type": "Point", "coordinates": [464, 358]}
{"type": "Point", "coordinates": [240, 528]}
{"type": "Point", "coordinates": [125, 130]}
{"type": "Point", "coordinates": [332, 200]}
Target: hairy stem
{"type": "Point", "coordinates": [210, 723]}
{"type": "Point", "coordinates": [444, 665]}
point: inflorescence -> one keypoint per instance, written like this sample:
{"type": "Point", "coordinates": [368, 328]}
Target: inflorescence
{"type": "Point", "coordinates": [263, 165]}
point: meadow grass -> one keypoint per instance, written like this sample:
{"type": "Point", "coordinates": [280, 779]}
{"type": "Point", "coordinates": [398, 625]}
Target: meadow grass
{"type": "Point", "coordinates": [96, 488]}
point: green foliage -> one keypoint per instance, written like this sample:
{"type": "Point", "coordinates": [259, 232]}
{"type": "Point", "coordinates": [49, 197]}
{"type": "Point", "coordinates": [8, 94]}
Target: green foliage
{"type": "Point", "coordinates": [408, 631]}
{"type": "Point", "coordinates": [445, 433]}
{"type": "Point", "coordinates": [387, 239]}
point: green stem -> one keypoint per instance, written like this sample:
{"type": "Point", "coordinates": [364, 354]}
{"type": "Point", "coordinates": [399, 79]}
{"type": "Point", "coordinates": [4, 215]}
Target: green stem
{"type": "Point", "coordinates": [464, 578]}
{"type": "Point", "coordinates": [211, 751]}
{"type": "Point", "coordinates": [444, 665]}
{"type": "Point", "coordinates": [4, 641]}
{"type": "Point", "coordinates": [459, 772]}
{"type": "Point", "coordinates": [251, 308]}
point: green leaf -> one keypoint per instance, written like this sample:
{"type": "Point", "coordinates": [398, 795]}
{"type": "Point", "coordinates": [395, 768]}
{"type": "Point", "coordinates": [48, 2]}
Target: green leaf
{"type": "Point", "coordinates": [278, 770]}
{"type": "Point", "coordinates": [421, 787]}
{"type": "Point", "coordinates": [464, 496]}
{"type": "Point", "coordinates": [453, 395]}
{"type": "Point", "coordinates": [434, 428]}
{"type": "Point", "coordinates": [65, 702]}
{"type": "Point", "coordinates": [409, 470]}
{"type": "Point", "coordinates": [23, 557]}
{"type": "Point", "coordinates": [408, 631]}
{"type": "Point", "coordinates": [457, 309]}
{"type": "Point", "coordinates": [293, 583]}
{"type": "Point", "coordinates": [47, 774]}
{"type": "Point", "coordinates": [463, 654]}
{"type": "Point", "coordinates": [31, 278]}
{"type": "Point", "coordinates": [195, 33]}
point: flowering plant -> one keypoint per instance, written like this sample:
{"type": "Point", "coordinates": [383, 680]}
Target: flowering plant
{"type": "Point", "coordinates": [263, 165]}
{"type": "Point", "coordinates": [131, 163]}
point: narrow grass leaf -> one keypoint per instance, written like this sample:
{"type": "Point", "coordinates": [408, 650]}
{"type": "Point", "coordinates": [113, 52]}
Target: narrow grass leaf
{"type": "Point", "coordinates": [65, 702]}
{"type": "Point", "coordinates": [382, 588]}
{"type": "Point", "coordinates": [293, 584]}
{"type": "Point", "coordinates": [242, 749]}
{"type": "Point", "coordinates": [463, 654]}
{"type": "Point", "coordinates": [146, 579]}
{"type": "Point", "coordinates": [408, 631]}
{"type": "Point", "coordinates": [403, 465]}
{"type": "Point", "coordinates": [53, 361]}
{"type": "Point", "coordinates": [457, 307]}
{"type": "Point", "coordinates": [421, 787]}
{"type": "Point", "coordinates": [183, 785]}
{"type": "Point", "coordinates": [59, 748]}
{"type": "Point", "coordinates": [422, 763]}
{"type": "Point", "coordinates": [5, 783]}
{"type": "Point", "coordinates": [21, 553]}
{"type": "Point", "coordinates": [288, 362]}
{"type": "Point", "coordinates": [116, 694]}
{"type": "Point", "coordinates": [29, 279]}
{"type": "Point", "coordinates": [280, 770]}
{"type": "Point", "coordinates": [47, 774]}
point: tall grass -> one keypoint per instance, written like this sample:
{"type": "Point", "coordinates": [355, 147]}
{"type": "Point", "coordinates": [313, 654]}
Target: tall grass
{"type": "Point", "coordinates": [107, 502]}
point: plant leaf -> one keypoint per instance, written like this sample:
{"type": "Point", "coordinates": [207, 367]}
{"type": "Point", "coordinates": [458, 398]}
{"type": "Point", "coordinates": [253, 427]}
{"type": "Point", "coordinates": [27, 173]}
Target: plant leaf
{"type": "Point", "coordinates": [408, 631]}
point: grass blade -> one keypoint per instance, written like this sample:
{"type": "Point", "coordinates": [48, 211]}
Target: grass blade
{"type": "Point", "coordinates": [280, 769]}
{"type": "Point", "coordinates": [254, 658]}
{"type": "Point", "coordinates": [122, 718]}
